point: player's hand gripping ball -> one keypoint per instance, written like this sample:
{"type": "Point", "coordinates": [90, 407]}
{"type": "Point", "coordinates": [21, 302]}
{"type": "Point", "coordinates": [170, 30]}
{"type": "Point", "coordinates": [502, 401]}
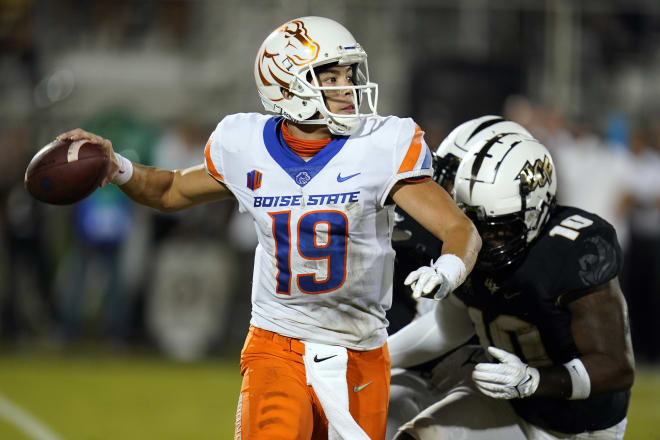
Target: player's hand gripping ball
{"type": "Point", "coordinates": [66, 171]}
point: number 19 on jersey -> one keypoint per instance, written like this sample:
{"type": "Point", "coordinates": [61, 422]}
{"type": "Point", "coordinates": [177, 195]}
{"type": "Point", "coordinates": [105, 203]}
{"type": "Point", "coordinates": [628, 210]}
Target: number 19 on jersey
{"type": "Point", "coordinates": [310, 227]}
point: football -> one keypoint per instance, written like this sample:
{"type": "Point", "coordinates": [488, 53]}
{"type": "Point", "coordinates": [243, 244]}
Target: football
{"type": "Point", "coordinates": [64, 172]}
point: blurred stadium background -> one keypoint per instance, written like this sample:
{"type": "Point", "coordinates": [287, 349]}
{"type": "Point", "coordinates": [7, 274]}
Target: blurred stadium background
{"type": "Point", "coordinates": [120, 322]}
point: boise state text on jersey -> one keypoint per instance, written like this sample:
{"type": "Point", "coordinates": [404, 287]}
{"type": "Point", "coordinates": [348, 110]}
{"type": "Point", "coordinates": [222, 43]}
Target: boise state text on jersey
{"type": "Point", "coordinates": [310, 200]}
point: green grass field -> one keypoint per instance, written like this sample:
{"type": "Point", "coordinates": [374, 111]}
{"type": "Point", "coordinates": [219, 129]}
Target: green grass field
{"type": "Point", "coordinates": [102, 397]}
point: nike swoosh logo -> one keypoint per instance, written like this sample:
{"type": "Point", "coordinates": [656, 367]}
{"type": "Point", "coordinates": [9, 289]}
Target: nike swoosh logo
{"type": "Point", "coordinates": [317, 359]}
{"type": "Point", "coordinates": [344, 179]}
{"type": "Point", "coordinates": [361, 387]}
{"type": "Point", "coordinates": [521, 384]}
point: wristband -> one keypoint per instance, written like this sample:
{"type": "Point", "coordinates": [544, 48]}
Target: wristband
{"type": "Point", "coordinates": [125, 171]}
{"type": "Point", "coordinates": [452, 268]}
{"type": "Point", "coordinates": [579, 379]}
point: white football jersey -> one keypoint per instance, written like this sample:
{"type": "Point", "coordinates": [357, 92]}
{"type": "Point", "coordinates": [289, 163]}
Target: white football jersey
{"type": "Point", "coordinates": [324, 263]}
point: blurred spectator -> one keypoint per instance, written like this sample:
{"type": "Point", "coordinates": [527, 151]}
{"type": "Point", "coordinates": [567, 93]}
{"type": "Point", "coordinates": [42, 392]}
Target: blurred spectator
{"type": "Point", "coordinates": [617, 130]}
{"type": "Point", "coordinates": [547, 124]}
{"type": "Point", "coordinates": [93, 281]}
{"type": "Point", "coordinates": [590, 175]}
{"type": "Point", "coordinates": [187, 310]}
{"type": "Point", "coordinates": [519, 108]}
{"type": "Point", "coordinates": [180, 146]}
{"type": "Point", "coordinates": [93, 277]}
{"type": "Point", "coordinates": [27, 309]}
{"type": "Point", "coordinates": [640, 203]}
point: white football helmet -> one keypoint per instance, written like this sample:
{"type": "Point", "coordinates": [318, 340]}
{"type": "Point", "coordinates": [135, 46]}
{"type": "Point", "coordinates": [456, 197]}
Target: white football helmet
{"type": "Point", "coordinates": [451, 150]}
{"type": "Point", "coordinates": [287, 59]}
{"type": "Point", "coordinates": [506, 185]}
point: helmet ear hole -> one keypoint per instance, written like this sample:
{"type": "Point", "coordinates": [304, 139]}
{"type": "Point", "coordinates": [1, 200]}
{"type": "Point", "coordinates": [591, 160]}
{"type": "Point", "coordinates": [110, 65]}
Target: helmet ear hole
{"type": "Point", "coordinates": [286, 93]}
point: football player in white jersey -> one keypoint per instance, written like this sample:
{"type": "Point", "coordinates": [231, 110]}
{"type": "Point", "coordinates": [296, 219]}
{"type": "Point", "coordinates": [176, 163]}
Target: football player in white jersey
{"type": "Point", "coordinates": [320, 180]}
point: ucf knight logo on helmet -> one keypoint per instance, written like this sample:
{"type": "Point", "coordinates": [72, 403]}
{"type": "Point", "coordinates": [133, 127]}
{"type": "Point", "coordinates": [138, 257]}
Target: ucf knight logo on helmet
{"type": "Point", "coordinates": [538, 174]}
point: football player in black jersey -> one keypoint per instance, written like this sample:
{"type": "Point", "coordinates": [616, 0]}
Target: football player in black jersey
{"type": "Point", "coordinates": [414, 248]}
{"type": "Point", "coordinates": [544, 301]}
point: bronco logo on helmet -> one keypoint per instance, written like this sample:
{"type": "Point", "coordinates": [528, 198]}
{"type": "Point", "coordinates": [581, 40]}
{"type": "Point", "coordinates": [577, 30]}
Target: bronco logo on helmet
{"type": "Point", "coordinates": [300, 50]}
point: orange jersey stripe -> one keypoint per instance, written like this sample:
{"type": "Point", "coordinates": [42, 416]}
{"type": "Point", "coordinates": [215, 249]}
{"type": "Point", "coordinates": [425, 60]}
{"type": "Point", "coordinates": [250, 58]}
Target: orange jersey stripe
{"type": "Point", "coordinates": [209, 162]}
{"type": "Point", "coordinates": [414, 150]}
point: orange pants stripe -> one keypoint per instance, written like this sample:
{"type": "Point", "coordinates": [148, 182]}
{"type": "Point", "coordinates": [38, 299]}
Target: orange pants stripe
{"type": "Point", "coordinates": [277, 404]}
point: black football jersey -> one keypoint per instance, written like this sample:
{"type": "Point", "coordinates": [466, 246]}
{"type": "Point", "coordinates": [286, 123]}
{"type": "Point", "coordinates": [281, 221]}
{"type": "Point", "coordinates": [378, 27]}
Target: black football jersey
{"type": "Point", "coordinates": [523, 310]}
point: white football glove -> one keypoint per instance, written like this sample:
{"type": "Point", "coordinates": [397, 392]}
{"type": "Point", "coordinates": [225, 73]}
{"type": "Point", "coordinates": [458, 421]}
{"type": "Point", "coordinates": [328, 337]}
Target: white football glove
{"type": "Point", "coordinates": [438, 279]}
{"type": "Point", "coordinates": [510, 379]}
{"type": "Point", "coordinates": [426, 282]}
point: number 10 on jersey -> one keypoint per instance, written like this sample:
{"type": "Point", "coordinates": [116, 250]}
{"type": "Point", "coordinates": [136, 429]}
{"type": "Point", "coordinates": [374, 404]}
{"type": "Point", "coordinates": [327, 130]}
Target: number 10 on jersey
{"type": "Point", "coordinates": [333, 250]}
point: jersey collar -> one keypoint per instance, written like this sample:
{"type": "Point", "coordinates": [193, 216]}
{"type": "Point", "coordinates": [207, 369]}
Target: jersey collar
{"type": "Point", "coordinates": [300, 171]}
